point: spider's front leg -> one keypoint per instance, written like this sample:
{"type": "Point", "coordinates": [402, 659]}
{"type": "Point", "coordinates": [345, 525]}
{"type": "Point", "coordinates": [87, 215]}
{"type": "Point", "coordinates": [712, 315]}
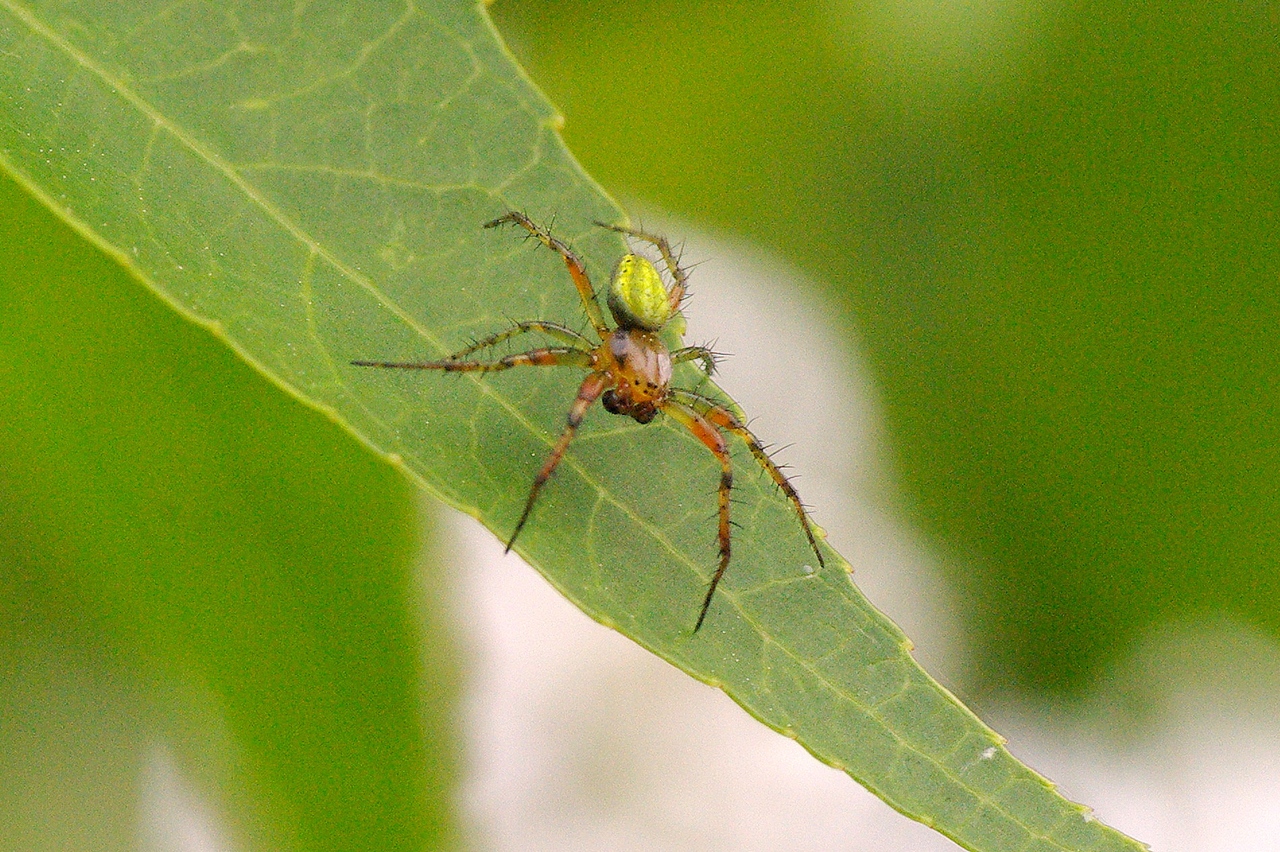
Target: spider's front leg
{"type": "Point", "coordinates": [588, 392]}
{"type": "Point", "coordinates": [711, 438]}
{"type": "Point", "coordinates": [725, 419]}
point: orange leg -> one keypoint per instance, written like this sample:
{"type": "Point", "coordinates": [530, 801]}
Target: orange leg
{"type": "Point", "coordinates": [725, 419]}
{"type": "Point", "coordinates": [562, 333]}
{"type": "Point", "coordinates": [710, 436]}
{"type": "Point", "coordinates": [577, 271]}
{"type": "Point", "coordinates": [590, 390]}
{"type": "Point", "coordinates": [553, 356]}
{"type": "Point", "coordinates": [676, 294]}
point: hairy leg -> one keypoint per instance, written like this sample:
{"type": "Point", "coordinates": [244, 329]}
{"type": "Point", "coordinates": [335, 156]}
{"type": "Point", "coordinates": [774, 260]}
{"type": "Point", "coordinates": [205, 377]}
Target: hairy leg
{"type": "Point", "coordinates": [552, 356]}
{"type": "Point", "coordinates": [725, 419]}
{"type": "Point", "coordinates": [681, 278]}
{"type": "Point", "coordinates": [696, 353]}
{"type": "Point", "coordinates": [577, 271]}
{"type": "Point", "coordinates": [711, 438]}
{"type": "Point", "coordinates": [588, 392]}
{"type": "Point", "coordinates": [562, 333]}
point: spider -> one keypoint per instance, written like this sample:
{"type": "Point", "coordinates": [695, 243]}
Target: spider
{"type": "Point", "coordinates": [629, 370]}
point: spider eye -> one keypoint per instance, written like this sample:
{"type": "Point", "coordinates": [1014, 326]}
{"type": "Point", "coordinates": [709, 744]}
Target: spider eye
{"type": "Point", "coordinates": [637, 297]}
{"type": "Point", "coordinates": [610, 402]}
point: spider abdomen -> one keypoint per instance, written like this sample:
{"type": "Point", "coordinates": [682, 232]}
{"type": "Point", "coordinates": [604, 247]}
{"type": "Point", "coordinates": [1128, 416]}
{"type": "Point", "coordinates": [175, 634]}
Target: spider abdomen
{"type": "Point", "coordinates": [637, 297]}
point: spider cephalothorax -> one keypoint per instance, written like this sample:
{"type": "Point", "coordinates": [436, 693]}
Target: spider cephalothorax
{"type": "Point", "coordinates": [629, 368]}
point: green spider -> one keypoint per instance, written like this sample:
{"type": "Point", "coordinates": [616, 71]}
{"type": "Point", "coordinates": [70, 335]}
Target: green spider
{"type": "Point", "coordinates": [630, 370]}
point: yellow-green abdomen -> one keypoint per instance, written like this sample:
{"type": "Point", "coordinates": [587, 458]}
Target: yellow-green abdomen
{"type": "Point", "coordinates": [637, 297]}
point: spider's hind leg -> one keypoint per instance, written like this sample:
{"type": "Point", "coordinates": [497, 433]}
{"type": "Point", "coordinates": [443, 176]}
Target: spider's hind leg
{"type": "Point", "coordinates": [696, 353]}
{"type": "Point", "coordinates": [678, 275]}
{"type": "Point", "coordinates": [577, 270]}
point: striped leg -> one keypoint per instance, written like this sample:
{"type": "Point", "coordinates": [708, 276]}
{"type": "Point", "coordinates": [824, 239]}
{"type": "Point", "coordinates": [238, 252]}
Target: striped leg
{"type": "Point", "coordinates": [710, 436]}
{"type": "Point", "coordinates": [725, 419]}
{"type": "Point", "coordinates": [589, 391]}
{"type": "Point", "coordinates": [562, 333]}
{"type": "Point", "coordinates": [577, 271]}
{"type": "Point", "coordinates": [552, 356]}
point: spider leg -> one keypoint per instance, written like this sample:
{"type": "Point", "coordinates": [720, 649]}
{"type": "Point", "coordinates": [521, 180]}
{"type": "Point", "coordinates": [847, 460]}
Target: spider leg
{"type": "Point", "coordinates": [588, 392]}
{"type": "Point", "coordinates": [676, 294]}
{"type": "Point", "coordinates": [551, 356]}
{"type": "Point", "coordinates": [696, 353]}
{"type": "Point", "coordinates": [577, 270]}
{"type": "Point", "coordinates": [726, 419]}
{"type": "Point", "coordinates": [562, 333]}
{"type": "Point", "coordinates": [706, 432]}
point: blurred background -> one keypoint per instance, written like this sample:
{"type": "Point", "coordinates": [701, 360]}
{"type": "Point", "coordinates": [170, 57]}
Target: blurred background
{"type": "Point", "coordinates": [578, 739]}
{"type": "Point", "coordinates": [1039, 239]}
{"type": "Point", "coordinates": [1052, 231]}
{"type": "Point", "coordinates": [1015, 264]}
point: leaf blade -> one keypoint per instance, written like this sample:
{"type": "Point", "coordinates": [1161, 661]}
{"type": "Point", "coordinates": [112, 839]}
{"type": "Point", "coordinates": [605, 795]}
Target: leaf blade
{"type": "Point", "coordinates": [338, 204]}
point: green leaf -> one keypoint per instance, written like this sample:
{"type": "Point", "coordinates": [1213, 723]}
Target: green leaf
{"type": "Point", "coordinates": [196, 568]}
{"type": "Point", "coordinates": [309, 185]}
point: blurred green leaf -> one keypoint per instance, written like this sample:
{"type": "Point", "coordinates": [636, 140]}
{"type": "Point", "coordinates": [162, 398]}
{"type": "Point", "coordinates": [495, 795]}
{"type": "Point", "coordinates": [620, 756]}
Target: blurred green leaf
{"type": "Point", "coordinates": [188, 559]}
{"type": "Point", "coordinates": [192, 563]}
{"type": "Point", "coordinates": [1051, 229]}
{"type": "Point", "coordinates": [311, 200]}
